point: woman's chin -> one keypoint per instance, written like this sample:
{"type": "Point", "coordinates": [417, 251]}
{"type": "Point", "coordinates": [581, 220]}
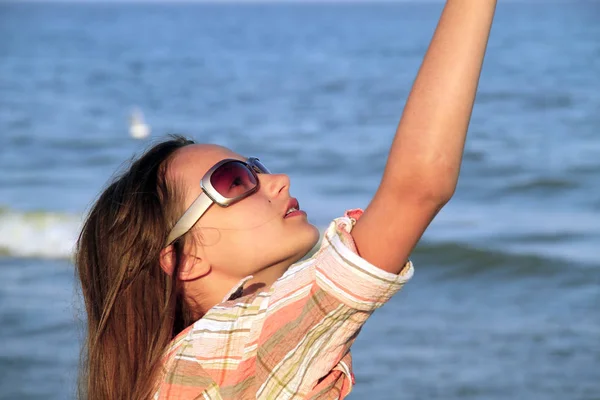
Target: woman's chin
{"type": "Point", "coordinates": [309, 242]}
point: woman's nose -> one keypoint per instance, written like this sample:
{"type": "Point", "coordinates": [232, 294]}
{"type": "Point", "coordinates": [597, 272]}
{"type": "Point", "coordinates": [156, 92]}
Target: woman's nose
{"type": "Point", "coordinates": [275, 183]}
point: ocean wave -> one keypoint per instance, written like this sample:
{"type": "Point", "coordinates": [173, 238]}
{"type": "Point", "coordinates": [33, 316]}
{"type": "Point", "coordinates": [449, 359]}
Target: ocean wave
{"type": "Point", "coordinates": [460, 260]}
{"type": "Point", "coordinates": [542, 184]}
{"type": "Point", "coordinates": [38, 234]}
{"type": "Point", "coordinates": [52, 235]}
{"type": "Point", "coordinates": [532, 101]}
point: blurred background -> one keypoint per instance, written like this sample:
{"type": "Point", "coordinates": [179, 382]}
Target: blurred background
{"type": "Point", "coordinates": [506, 296]}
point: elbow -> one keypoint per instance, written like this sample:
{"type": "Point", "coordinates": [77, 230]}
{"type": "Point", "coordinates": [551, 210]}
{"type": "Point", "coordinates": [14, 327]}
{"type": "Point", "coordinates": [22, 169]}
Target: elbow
{"type": "Point", "coordinates": [431, 186]}
{"type": "Point", "coordinates": [435, 192]}
{"type": "Point", "coordinates": [429, 180]}
{"type": "Point", "coordinates": [444, 196]}
{"type": "Point", "coordinates": [439, 180]}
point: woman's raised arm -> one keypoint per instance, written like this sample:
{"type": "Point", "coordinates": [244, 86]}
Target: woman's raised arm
{"type": "Point", "coordinates": [424, 161]}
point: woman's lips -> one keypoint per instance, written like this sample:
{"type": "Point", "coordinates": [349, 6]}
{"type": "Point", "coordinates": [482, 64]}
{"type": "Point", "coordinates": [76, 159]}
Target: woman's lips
{"type": "Point", "coordinates": [295, 214]}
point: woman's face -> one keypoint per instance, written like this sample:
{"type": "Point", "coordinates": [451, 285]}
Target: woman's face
{"type": "Point", "coordinates": [251, 235]}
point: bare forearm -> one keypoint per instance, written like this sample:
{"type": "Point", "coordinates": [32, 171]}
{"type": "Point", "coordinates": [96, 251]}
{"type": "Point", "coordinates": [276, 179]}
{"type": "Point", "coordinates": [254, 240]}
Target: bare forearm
{"type": "Point", "coordinates": [427, 150]}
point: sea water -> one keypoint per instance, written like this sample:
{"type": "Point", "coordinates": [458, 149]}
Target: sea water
{"type": "Point", "coordinates": [504, 302]}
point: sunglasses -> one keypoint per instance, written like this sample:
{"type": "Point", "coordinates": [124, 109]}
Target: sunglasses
{"type": "Point", "coordinates": [226, 183]}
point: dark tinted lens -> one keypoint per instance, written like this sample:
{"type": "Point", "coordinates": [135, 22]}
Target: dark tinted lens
{"type": "Point", "coordinates": [233, 179]}
{"type": "Point", "coordinates": [258, 166]}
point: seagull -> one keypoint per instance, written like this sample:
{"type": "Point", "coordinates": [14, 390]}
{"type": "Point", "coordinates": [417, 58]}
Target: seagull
{"type": "Point", "coordinates": [138, 129]}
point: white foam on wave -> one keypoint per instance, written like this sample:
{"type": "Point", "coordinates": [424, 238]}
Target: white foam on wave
{"type": "Point", "coordinates": [38, 234]}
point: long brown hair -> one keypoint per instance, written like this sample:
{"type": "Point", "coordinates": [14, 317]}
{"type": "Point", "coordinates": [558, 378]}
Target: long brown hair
{"type": "Point", "coordinates": [133, 307]}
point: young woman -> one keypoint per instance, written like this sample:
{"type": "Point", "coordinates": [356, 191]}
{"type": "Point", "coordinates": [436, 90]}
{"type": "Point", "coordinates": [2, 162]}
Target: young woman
{"type": "Point", "coordinates": [189, 260]}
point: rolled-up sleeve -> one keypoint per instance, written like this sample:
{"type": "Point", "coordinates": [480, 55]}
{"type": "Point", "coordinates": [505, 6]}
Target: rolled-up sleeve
{"type": "Point", "coordinates": [342, 273]}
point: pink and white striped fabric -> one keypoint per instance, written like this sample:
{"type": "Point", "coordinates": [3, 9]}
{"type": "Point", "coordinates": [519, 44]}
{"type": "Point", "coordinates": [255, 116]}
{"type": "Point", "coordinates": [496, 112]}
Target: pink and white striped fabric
{"type": "Point", "coordinates": [290, 342]}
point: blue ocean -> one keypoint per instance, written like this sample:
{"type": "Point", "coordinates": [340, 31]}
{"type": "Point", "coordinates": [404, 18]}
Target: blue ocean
{"type": "Point", "coordinates": [505, 302]}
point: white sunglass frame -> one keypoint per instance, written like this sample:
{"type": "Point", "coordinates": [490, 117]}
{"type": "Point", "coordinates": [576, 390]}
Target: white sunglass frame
{"type": "Point", "coordinates": [210, 196]}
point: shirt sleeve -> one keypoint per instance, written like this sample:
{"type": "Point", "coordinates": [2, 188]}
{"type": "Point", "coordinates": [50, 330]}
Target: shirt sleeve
{"type": "Point", "coordinates": [342, 273]}
{"type": "Point", "coordinates": [316, 310]}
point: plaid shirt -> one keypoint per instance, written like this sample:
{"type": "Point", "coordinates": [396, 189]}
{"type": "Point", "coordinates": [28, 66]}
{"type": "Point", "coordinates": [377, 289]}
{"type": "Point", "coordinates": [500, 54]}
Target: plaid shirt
{"type": "Point", "coordinates": [290, 342]}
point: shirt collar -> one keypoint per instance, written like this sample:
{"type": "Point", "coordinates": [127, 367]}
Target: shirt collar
{"type": "Point", "coordinates": [237, 291]}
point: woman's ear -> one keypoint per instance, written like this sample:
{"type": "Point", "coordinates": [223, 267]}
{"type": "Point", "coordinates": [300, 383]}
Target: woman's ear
{"type": "Point", "coordinates": [191, 266]}
{"type": "Point", "coordinates": [168, 259]}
